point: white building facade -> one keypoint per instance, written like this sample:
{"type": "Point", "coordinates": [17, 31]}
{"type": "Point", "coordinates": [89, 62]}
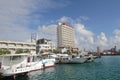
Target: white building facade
{"type": "Point", "coordinates": [44, 44]}
{"type": "Point", "coordinates": [13, 46]}
{"type": "Point", "coordinates": [65, 36]}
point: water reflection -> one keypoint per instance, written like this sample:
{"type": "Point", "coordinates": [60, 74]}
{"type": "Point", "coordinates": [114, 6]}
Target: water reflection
{"type": "Point", "coordinates": [105, 68]}
{"type": "Point", "coordinates": [46, 73]}
{"type": "Point", "coordinates": [18, 77]}
{"type": "Point", "coordinates": [35, 75]}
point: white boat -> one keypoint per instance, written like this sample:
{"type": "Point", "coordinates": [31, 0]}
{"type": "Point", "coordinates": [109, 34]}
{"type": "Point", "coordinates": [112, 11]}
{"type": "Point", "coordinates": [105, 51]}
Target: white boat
{"type": "Point", "coordinates": [88, 56]}
{"type": "Point", "coordinates": [65, 58]}
{"type": "Point", "coordinates": [47, 60]}
{"type": "Point", "coordinates": [13, 64]}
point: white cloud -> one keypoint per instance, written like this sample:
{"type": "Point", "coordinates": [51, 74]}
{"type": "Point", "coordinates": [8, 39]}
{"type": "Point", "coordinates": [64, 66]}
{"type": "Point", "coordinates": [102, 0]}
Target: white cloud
{"type": "Point", "coordinates": [67, 20]}
{"type": "Point", "coordinates": [80, 28]}
{"type": "Point", "coordinates": [48, 31]}
{"type": "Point", "coordinates": [83, 36]}
{"type": "Point", "coordinates": [115, 40]}
{"type": "Point", "coordinates": [110, 42]}
{"type": "Point", "coordinates": [84, 18]}
{"type": "Point", "coordinates": [117, 32]}
{"type": "Point", "coordinates": [12, 13]}
{"type": "Point", "coordinates": [102, 40]}
{"type": "Point", "coordinates": [17, 17]}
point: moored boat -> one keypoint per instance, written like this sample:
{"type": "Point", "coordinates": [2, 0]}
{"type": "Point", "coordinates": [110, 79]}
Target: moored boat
{"type": "Point", "coordinates": [65, 58]}
{"type": "Point", "coordinates": [88, 55]}
{"type": "Point", "coordinates": [13, 64]}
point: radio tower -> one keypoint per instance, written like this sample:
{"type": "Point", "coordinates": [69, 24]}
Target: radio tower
{"type": "Point", "coordinates": [34, 37]}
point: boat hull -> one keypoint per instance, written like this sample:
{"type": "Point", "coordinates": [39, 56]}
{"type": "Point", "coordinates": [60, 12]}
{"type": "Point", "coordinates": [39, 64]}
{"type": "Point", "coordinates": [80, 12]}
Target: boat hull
{"type": "Point", "coordinates": [28, 68]}
{"type": "Point", "coordinates": [77, 60]}
{"type": "Point", "coordinates": [71, 60]}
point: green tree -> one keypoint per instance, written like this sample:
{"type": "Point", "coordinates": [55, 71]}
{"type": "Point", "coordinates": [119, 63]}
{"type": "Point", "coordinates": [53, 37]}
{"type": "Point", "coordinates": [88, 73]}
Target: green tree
{"type": "Point", "coordinates": [56, 51]}
{"type": "Point", "coordinates": [4, 51]}
{"type": "Point", "coordinates": [42, 51]}
{"type": "Point", "coordinates": [26, 51]}
{"type": "Point", "coordinates": [65, 53]}
{"type": "Point", "coordinates": [19, 51]}
{"type": "Point", "coordinates": [49, 50]}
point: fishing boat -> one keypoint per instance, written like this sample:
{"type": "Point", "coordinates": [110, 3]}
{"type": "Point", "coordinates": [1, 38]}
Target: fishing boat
{"type": "Point", "coordinates": [13, 64]}
{"type": "Point", "coordinates": [65, 58]}
{"type": "Point", "coordinates": [88, 55]}
{"type": "Point", "coordinates": [89, 58]}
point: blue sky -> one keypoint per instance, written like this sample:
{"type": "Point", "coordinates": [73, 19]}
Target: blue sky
{"type": "Point", "coordinates": [104, 14]}
{"type": "Point", "coordinates": [96, 22]}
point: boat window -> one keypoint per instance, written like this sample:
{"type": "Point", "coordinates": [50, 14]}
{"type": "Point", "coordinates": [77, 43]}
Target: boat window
{"type": "Point", "coordinates": [36, 58]}
{"type": "Point", "coordinates": [12, 60]}
{"type": "Point", "coordinates": [28, 59]}
{"type": "Point", "coordinates": [57, 58]}
{"type": "Point", "coordinates": [14, 57]}
{"type": "Point", "coordinates": [33, 59]}
{"type": "Point", "coordinates": [45, 56]}
{"type": "Point", "coordinates": [39, 57]}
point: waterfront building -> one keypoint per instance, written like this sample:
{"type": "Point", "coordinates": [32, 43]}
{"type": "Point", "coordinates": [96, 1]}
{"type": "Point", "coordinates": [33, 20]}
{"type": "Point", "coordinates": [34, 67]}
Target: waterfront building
{"type": "Point", "coordinates": [111, 51]}
{"type": "Point", "coordinates": [65, 36]}
{"type": "Point", "coordinates": [44, 45]}
{"type": "Point", "coordinates": [99, 51]}
{"type": "Point", "coordinates": [13, 46]}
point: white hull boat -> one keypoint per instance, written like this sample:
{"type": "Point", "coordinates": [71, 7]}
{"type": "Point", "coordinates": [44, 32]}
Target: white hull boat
{"type": "Point", "coordinates": [64, 58]}
{"type": "Point", "coordinates": [14, 64]}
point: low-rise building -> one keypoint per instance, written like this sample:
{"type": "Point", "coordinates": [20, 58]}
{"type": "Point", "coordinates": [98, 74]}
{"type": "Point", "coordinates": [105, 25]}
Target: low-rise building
{"type": "Point", "coordinates": [44, 44]}
{"type": "Point", "coordinates": [13, 46]}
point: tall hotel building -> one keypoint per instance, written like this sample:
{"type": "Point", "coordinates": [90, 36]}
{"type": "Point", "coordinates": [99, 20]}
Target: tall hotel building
{"type": "Point", "coordinates": [65, 36]}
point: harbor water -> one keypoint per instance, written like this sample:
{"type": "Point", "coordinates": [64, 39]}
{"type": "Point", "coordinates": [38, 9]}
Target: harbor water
{"type": "Point", "coordinates": [104, 68]}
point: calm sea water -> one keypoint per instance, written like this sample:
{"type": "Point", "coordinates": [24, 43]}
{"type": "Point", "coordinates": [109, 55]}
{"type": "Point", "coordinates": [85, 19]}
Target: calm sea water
{"type": "Point", "coordinates": [104, 68]}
